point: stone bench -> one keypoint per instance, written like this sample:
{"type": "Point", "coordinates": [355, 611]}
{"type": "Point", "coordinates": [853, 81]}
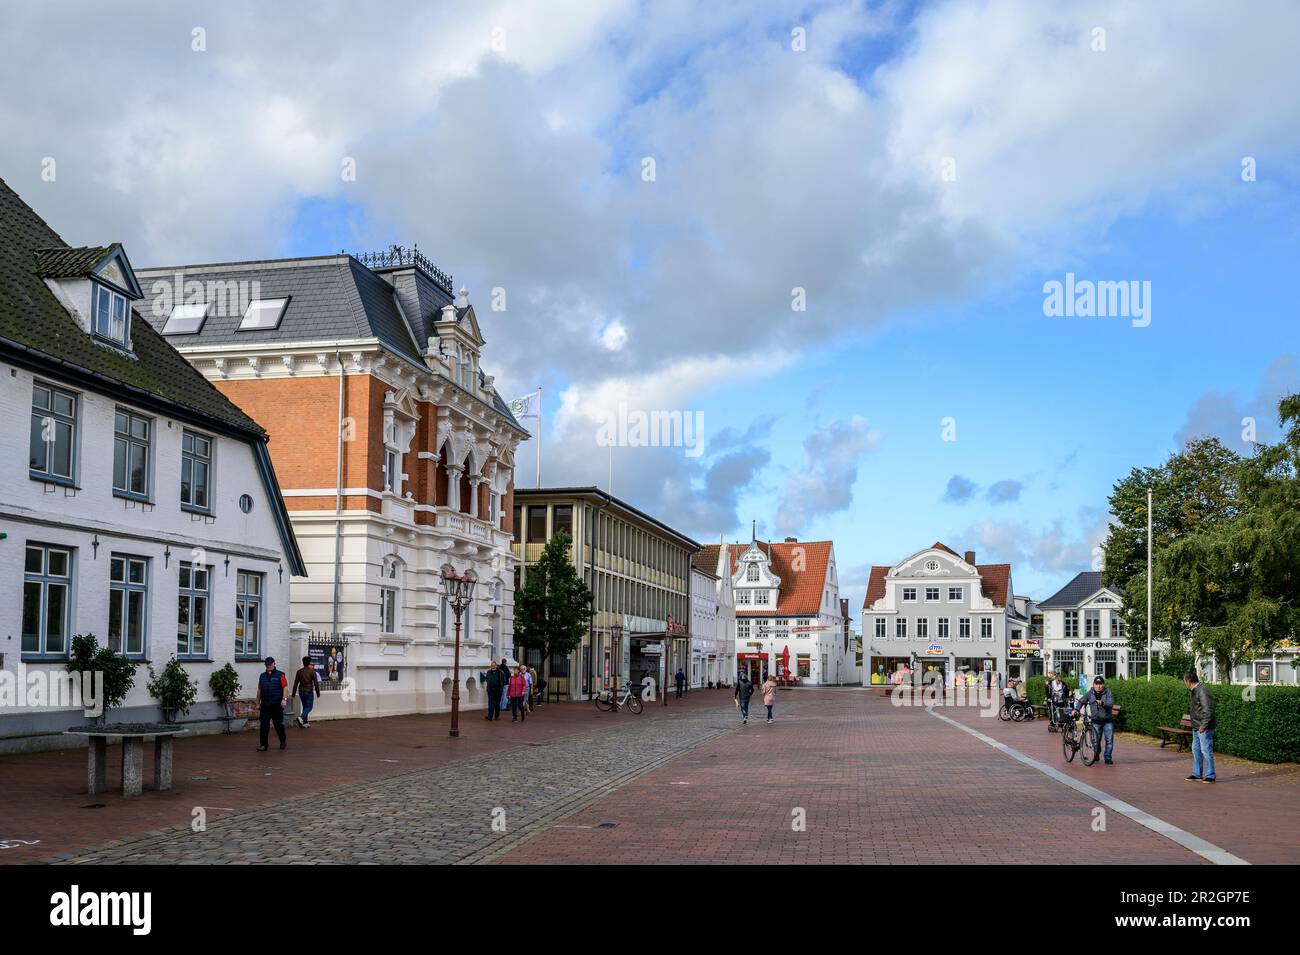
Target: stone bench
{"type": "Point", "coordinates": [133, 736]}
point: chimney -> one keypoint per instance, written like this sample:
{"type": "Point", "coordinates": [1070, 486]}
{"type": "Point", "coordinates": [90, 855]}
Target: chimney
{"type": "Point", "coordinates": [792, 540]}
{"type": "Point", "coordinates": [970, 557]}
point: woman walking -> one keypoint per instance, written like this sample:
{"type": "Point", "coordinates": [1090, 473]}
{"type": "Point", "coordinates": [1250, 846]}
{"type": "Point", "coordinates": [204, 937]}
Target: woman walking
{"type": "Point", "coordinates": [769, 695]}
{"type": "Point", "coordinates": [518, 693]}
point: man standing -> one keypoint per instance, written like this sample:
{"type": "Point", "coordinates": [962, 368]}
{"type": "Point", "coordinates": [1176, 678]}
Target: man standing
{"type": "Point", "coordinates": [744, 690]}
{"type": "Point", "coordinates": [1101, 705]}
{"type": "Point", "coordinates": [271, 701]}
{"type": "Point", "coordinates": [495, 685]}
{"type": "Point", "coordinates": [1202, 713]}
{"type": "Point", "coordinates": [306, 686]}
{"type": "Point", "coordinates": [681, 682]}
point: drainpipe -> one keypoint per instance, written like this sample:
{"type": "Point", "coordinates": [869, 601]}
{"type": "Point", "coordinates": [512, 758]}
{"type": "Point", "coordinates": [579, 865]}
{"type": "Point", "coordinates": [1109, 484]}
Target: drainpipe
{"type": "Point", "coordinates": [338, 502]}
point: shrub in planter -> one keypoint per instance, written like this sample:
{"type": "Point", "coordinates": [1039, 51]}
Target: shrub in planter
{"type": "Point", "coordinates": [116, 672]}
{"type": "Point", "coordinates": [174, 690]}
{"type": "Point", "coordinates": [224, 684]}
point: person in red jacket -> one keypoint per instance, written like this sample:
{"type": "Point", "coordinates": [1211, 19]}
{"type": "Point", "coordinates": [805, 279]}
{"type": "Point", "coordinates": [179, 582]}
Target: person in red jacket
{"type": "Point", "coordinates": [518, 690]}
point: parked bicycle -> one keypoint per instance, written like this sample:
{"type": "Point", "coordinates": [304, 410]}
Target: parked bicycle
{"type": "Point", "coordinates": [616, 700]}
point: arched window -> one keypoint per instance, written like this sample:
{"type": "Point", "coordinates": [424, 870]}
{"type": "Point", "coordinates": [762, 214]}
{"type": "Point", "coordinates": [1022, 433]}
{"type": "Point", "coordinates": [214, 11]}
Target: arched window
{"type": "Point", "coordinates": [751, 572]}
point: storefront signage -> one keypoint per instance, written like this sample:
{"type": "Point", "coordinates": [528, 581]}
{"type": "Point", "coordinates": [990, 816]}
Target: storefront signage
{"type": "Point", "coordinates": [1098, 644]}
{"type": "Point", "coordinates": [651, 648]}
{"type": "Point", "coordinates": [1026, 648]}
{"type": "Point", "coordinates": [935, 650]}
{"type": "Point", "coordinates": [675, 627]}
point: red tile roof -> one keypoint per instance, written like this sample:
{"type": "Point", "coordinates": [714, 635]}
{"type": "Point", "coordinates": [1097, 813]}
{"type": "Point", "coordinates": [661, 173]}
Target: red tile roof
{"type": "Point", "coordinates": [802, 590]}
{"type": "Point", "coordinates": [994, 580]}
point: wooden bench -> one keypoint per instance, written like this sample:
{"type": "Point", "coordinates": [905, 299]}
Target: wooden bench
{"type": "Point", "coordinates": [1182, 735]}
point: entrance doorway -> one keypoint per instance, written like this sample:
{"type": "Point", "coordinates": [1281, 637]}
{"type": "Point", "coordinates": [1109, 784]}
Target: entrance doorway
{"type": "Point", "coordinates": [751, 664]}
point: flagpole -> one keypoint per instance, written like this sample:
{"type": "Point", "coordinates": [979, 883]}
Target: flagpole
{"type": "Point", "coordinates": [539, 437]}
{"type": "Point", "coordinates": [1148, 585]}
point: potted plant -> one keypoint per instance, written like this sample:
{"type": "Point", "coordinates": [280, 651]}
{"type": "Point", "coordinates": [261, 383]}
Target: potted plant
{"type": "Point", "coordinates": [173, 689]}
{"type": "Point", "coordinates": [117, 673]}
{"type": "Point", "coordinates": [224, 684]}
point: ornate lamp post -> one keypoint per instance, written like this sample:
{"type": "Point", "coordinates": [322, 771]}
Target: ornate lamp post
{"type": "Point", "coordinates": [459, 590]}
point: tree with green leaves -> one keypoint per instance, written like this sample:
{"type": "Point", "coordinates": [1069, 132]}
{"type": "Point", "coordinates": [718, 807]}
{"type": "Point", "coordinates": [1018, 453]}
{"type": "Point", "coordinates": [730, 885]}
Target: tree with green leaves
{"type": "Point", "coordinates": [1227, 547]}
{"type": "Point", "coordinates": [1194, 489]}
{"type": "Point", "coordinates": [553, 608]}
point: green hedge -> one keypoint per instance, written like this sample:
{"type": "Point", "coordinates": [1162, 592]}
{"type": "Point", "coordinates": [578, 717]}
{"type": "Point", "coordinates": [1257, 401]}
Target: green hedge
{"type": "Point", "coordinates": [1265, 728]}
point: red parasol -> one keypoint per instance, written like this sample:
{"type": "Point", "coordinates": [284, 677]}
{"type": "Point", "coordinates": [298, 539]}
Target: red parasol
{"type": "Point", "coordinates": [785, 661]}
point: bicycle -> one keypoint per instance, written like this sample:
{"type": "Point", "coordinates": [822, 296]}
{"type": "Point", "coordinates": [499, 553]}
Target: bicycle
{"type": "Point", "coordinates": [607, 700]}
{"type": "Point", "coordinates": [1079, 734]}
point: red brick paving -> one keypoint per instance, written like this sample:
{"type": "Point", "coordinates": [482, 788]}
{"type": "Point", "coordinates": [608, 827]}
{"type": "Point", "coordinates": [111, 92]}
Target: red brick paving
{"type": "Point", "coordinates": [885, 784]}
{"type": "Point", "coordinates": [1253, 810]}
{"type": "Point", "coordinates": [43, 795]}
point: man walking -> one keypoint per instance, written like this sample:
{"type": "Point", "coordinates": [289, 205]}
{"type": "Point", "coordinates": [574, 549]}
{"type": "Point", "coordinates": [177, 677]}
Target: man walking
{"type": "Point", "coordinates": [681, 682]}
{"type": "Point", "coordinates": [306, 686]}
{"type": "Point", "coordinates": [1202, 713]}
{"type": "Point", "coordinates": [744, 690]}
{"type": "Point", "coordinates": [271, 700]}
{"type": "Point", "coordinates": [495, 684]}
{"type": "Point", "coordinates": [1101, 705]}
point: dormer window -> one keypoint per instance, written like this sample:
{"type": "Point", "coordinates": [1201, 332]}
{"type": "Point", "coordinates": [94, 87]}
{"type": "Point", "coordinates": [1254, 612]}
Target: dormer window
{"type": "Point", "coordinates": [187, 319]}
{"type": "Point", "coordinates": [110, 318]}
{"type": "Point", "coordinates": [751, 572]}
{"type": "Point", "coordinates": [263, 314]}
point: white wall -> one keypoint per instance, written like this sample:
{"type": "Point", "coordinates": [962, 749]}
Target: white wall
{"type": "Point", "coordinates": [35, 511]}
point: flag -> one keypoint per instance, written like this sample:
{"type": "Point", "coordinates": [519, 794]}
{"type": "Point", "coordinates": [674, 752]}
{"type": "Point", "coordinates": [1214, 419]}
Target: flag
{"type": "Point", "coordinates": [529, 406]}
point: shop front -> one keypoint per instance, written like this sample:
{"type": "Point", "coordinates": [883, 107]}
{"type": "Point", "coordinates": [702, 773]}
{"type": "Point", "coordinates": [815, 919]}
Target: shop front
{"type": "Point", "coordinates": [754, 664]}
{"type": "Point", "coordinates": [1022, 654]}
{"type": "Point", "coordinates": [1078, 661]}
{"type": "Point", "coordinates": [974, 671]}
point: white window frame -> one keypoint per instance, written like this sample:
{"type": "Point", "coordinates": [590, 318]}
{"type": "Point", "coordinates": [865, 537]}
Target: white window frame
{"type": "Point", "coordinates": [98, 293]}
{"type": "Point", "coordinates": [196, 633]}
{"type": "Point", "coordinates": [986, 628]}
{"type": "Point", "coordinates": [906, 598]}
{"type": "Point", "coordinates": [121, 590]}
{"type": "Point", "coordinates": [963, 628]}
{"type": "Point", "coordinates": [943, 631]}
{"type": "Point", "coordinates": [194, 459]}
{"type": "Point", "coordinates": [935, 599]}
{"type": "Point", "coordinates": [900, 628]}
{"type": "Point", "coordinates": [956, 594]}
{"type": "Point", "coordinates": [50, 418]}
{"type": "Point", "coordinates": [881, 631]}
{"type": "Point", "coordinates": [128, 440]}
{"type": "Point", "coordinates": [47, 581]}
{"type": "Point", "coordinates": [246, 600]}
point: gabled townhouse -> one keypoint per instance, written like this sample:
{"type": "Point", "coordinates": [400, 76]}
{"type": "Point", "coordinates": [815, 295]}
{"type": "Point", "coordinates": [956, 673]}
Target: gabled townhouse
{"type": "Point", "coordinates": [394, 448]}
{"type": "Point", "coordinates": [787, 597]}
{"type": "Point", "coordinates": [137, 503]}
{"type": "Point", "coordinates": [940, 611]}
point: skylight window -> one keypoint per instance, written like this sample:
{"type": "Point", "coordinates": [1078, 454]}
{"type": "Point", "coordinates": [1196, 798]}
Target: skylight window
{"type": "Point", "coordinates": [263, 313]}
{"type": "Point", "coordinates": [187, 319]}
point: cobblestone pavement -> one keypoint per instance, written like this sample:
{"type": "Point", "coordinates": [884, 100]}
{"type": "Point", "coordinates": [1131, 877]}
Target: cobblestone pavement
{"type": "Point", "coordinates": [440, 815]}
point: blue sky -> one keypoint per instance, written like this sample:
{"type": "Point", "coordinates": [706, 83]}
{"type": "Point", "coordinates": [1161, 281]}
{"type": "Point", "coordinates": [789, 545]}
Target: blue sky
{"type": "Point", "coordinates": [508, 138]}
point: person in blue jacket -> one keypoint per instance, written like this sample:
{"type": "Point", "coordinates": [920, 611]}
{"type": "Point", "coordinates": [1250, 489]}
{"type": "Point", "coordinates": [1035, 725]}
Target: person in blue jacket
{"type": "Point", "coordinates": [272, 697]}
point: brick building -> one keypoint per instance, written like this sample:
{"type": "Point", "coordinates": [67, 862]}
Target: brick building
{"type": "Point", "coordinates": [395, 452]}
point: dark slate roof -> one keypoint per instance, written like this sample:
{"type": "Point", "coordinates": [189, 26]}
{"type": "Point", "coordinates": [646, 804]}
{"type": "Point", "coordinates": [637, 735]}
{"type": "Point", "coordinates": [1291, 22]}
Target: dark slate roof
{"type": "Point", "coordinates": [67, 263]}
{"type": "Point", "coordinates": [34, 322]}
{"type": "Point", "coordinates": [331, 298]}
{"type": "Point", "coordinates": [1078, 590]}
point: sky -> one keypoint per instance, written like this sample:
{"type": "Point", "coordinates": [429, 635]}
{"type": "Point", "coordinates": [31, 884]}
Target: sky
{"type": "Point", "coordinates": [824, 230]}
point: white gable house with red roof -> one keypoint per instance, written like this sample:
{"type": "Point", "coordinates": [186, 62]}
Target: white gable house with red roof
{"type": "Point", "coordinates": [941, 611]}
{"type": "Point", "coordinates": [788, 605]}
